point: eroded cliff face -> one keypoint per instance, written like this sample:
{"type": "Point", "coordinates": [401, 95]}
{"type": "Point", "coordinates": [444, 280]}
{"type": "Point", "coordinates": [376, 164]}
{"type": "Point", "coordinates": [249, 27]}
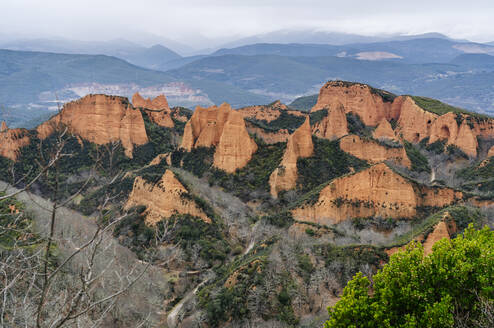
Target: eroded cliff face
{"type": "Point", "coordinates": [235, 147]}
{"type": "Point", "coordinates": [163, 199]}
{"type": "Point", "coordinates": [490, 153]}
{"type": "Point", "coordinates": [333, 126]}
{"type": "Point", "coordinates": [223, 128]}
{"type": "Point", "coordinates": [157, 109]}
{"type": "Point", "coordinates": [299, 145]}
{"type": "Point", "coordinates": [384, 131]}
{"type": "Point", "coordinates": [374, 152]}
{"type": "Point", "coordinates": [100, 119]}
{"type": "Point", "coordinates": [269, 112]}
{"type": "Point", "coordinates": [376, 191]}
{"type": "Point", "coordinates": [267, 136]}
{"type": "Point", "coordinates": [356, 98]}
{"type": "Point", "coordinates": [11, 141]}
{"type": "Point", "coordinates": [378, 108]}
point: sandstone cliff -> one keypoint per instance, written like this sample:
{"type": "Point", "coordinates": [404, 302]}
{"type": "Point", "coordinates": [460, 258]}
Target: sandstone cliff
{"type": "Point", "coordinates": [377, 108]}
{"type": "Point", "coordinates": [224, 128]}
{"type": "Point", "coordinates": [490, 153]}
{"type": "Point", "coordinates": [267, 136]}
{"type": "Point", "coordinates": [235, 147]}
{"type": "Point", "coordinates": [100, 119]}
{"type": "Point", "coordinates": [157, 109]}
{"type": "Point", "coordinates": [269, 112]}
{"type": "Point", "coordinates": [299, 145]}
{"type": "Point", "coordinates": [376, 191]}
{"type": "Point", "coordinates": [163, 199]}
{"type": "Point", "coordinates": [374, 152]}
{"type": "Point", "coordinates": [384, 131]}
{"type": "Point", "coordinates": [11, 141]}
{"type": "Point", "coordinates": [356, 98]}
{"type": "Point", "coordinates": [333, 126]}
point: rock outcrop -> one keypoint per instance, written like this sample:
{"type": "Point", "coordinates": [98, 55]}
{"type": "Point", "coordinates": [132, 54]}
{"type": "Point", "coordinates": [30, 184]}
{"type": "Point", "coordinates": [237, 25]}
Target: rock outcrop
{"type": "Point", "coordinates": [157, 109]}
{"type": "Point", "coordinates": [369, 104]}
{"type": "Point", "coordinates": [299, 145]}
{"type": "Point", "coordinates": [269, 112]}
{"type": "Point", "coordinates": [100, 119]}
{"type": "Point", "coordinates": [235, 147]}
{"type": "Point", "coordinates": [223, 128]}
{"type": "Point", "coordinates": [384, 131]}
{"type": "Point", "coordinates": [373, 152]}
{"type": "Point", "coordinates": [490, 153]}
{"type": "Point", "coordinates": [11, 141]}
{"type": "Point", "coordinates": [332, 126]}
{"type": "Point", "coordinates": [376, 191]}
{"type": "Point", "coordinates": [414, 123]}
{"type": "Point", "coordinates": [267, 136]}
{"type": "Point", "coordinates": [163, 199]}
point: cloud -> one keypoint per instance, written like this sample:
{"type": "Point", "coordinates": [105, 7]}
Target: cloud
{"type": "Point", "coordinates": [195, 20]}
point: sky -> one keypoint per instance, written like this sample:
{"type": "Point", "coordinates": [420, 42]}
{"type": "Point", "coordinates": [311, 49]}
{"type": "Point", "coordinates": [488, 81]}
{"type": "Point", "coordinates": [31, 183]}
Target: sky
{"type": "Point", "coordinates": [197, 22]}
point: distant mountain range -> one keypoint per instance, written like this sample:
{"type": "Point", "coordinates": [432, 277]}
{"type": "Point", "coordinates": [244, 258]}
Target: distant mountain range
{"type": "Point", "coordinates": [456, 71]}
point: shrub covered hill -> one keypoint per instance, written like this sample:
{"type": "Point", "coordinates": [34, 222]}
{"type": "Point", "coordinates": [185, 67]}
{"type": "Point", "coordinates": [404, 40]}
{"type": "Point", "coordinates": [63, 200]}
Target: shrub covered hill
{"type": "Point", "coordinates": [259, 216]}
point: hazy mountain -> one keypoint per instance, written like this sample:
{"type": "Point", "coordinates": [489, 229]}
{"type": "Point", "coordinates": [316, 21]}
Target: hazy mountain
{"type": "Point", "coordinates": [31, 83]}
{"type": "Point", "coordinates": [475, 61]}
{"type": "Point", "coordinates": [321, 37]}
{"type": "Point", "coordinates": [286, 78]}
{"type": "Point", "coordinates": [424, 50]}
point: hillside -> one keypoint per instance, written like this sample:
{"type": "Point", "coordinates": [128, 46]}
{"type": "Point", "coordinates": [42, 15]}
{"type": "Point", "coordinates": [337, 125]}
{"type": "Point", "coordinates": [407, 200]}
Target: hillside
{"type": "Point", "coordinates": [260, 215]}
{"type": "Point", "coordinates": [31, 84]}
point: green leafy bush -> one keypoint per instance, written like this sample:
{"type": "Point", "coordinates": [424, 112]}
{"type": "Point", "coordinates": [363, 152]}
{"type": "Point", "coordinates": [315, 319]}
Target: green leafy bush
{"type": "Point", "coordinates": [440, 290]}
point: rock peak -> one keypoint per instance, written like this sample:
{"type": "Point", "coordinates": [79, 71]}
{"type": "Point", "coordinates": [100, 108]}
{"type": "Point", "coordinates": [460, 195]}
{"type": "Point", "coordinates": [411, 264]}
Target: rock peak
{"type": "Point", "coordinates": [100, 119]}
{"type": "Point", "coordinates": [3, 127]}
{"type": "Point", "coordinates": [299, 145]}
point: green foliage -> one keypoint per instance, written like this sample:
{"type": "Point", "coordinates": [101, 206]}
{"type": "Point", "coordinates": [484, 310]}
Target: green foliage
{"type": "Point", "coordinates": [251, 181]}
{"type": "Point", "coordinates": [327, 163]}
{"type": "Point", "coordinates": [356, 126]}
{"type": "Point", "coordinates": [440, 108]}
{"type": "Point", "coordinates": [16, 225]}
{"type": "Point", "coordinates": [420, 163]}
{"type": "Point", "coordinates": [318, 115]}
{"type": "Point", "coordinates": [414, 290]}
{"type": "Point", "coordinates": [197, 161]}
{"type": "Point", "coordinates": [280, 219]}
{"type": "Point", "coordinates": [479, 176]}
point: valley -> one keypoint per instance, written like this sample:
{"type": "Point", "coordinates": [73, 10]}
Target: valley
{"type": "Point", "coordinates": [246, 215]}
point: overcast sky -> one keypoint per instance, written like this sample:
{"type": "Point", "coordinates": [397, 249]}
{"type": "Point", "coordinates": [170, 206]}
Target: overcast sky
{"type": "Point", "coordinates": [188, 21]}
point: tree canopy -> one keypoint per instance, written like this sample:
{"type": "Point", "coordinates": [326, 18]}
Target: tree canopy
{"type": "Point", "coordinates": [453, 286]}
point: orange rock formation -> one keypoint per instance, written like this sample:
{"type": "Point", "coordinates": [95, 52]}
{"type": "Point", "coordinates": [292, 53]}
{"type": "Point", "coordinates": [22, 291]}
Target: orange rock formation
{"type": "Point", "coordinates": [355, 98]}
{"type": "Point", "coordinates": [157, 109]}
{"type": "Point", "coordinates": [376, 191]}
{"type": "Point", "coordinates": [224, 128]}
{"type": "Point", "coordinates": [299, 145]}
{"type": "Point", "coordinates": [100, 119]}
{"type": "Point", "coordinates": [491, 152]}
{"type": "Point", "coordinates": [333, 126]}
{"type": "Point", "coordinates": [413, 122]}
{"type": "Point", "coordinates": [163, 199]}
{"type": "Point", "coordinates": [384, 131]}
{"type": "Point", "coordinates": [269, 112]}
{"type": "Point", "coordinates": [267, 136]}
{"type": "Point", "coordinates": [374, 152]}
{"type": "Point", "coordinates": [11, 141]}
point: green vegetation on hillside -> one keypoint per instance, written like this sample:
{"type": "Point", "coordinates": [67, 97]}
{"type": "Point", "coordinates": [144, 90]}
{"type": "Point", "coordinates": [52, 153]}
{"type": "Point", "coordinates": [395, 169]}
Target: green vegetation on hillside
{"type": "Point", "coordinates": [252, 181]}
{"type": "Point", "coordinates": [440, 108]}
{"type": "Point", "coordinates": [327, 163]}
{"type": "Point", "coordinates": [420, 163]}
{"type": "Point", "coordinates": [284, 121]}
{"type": "Point", "coordinates": [450, 287]}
